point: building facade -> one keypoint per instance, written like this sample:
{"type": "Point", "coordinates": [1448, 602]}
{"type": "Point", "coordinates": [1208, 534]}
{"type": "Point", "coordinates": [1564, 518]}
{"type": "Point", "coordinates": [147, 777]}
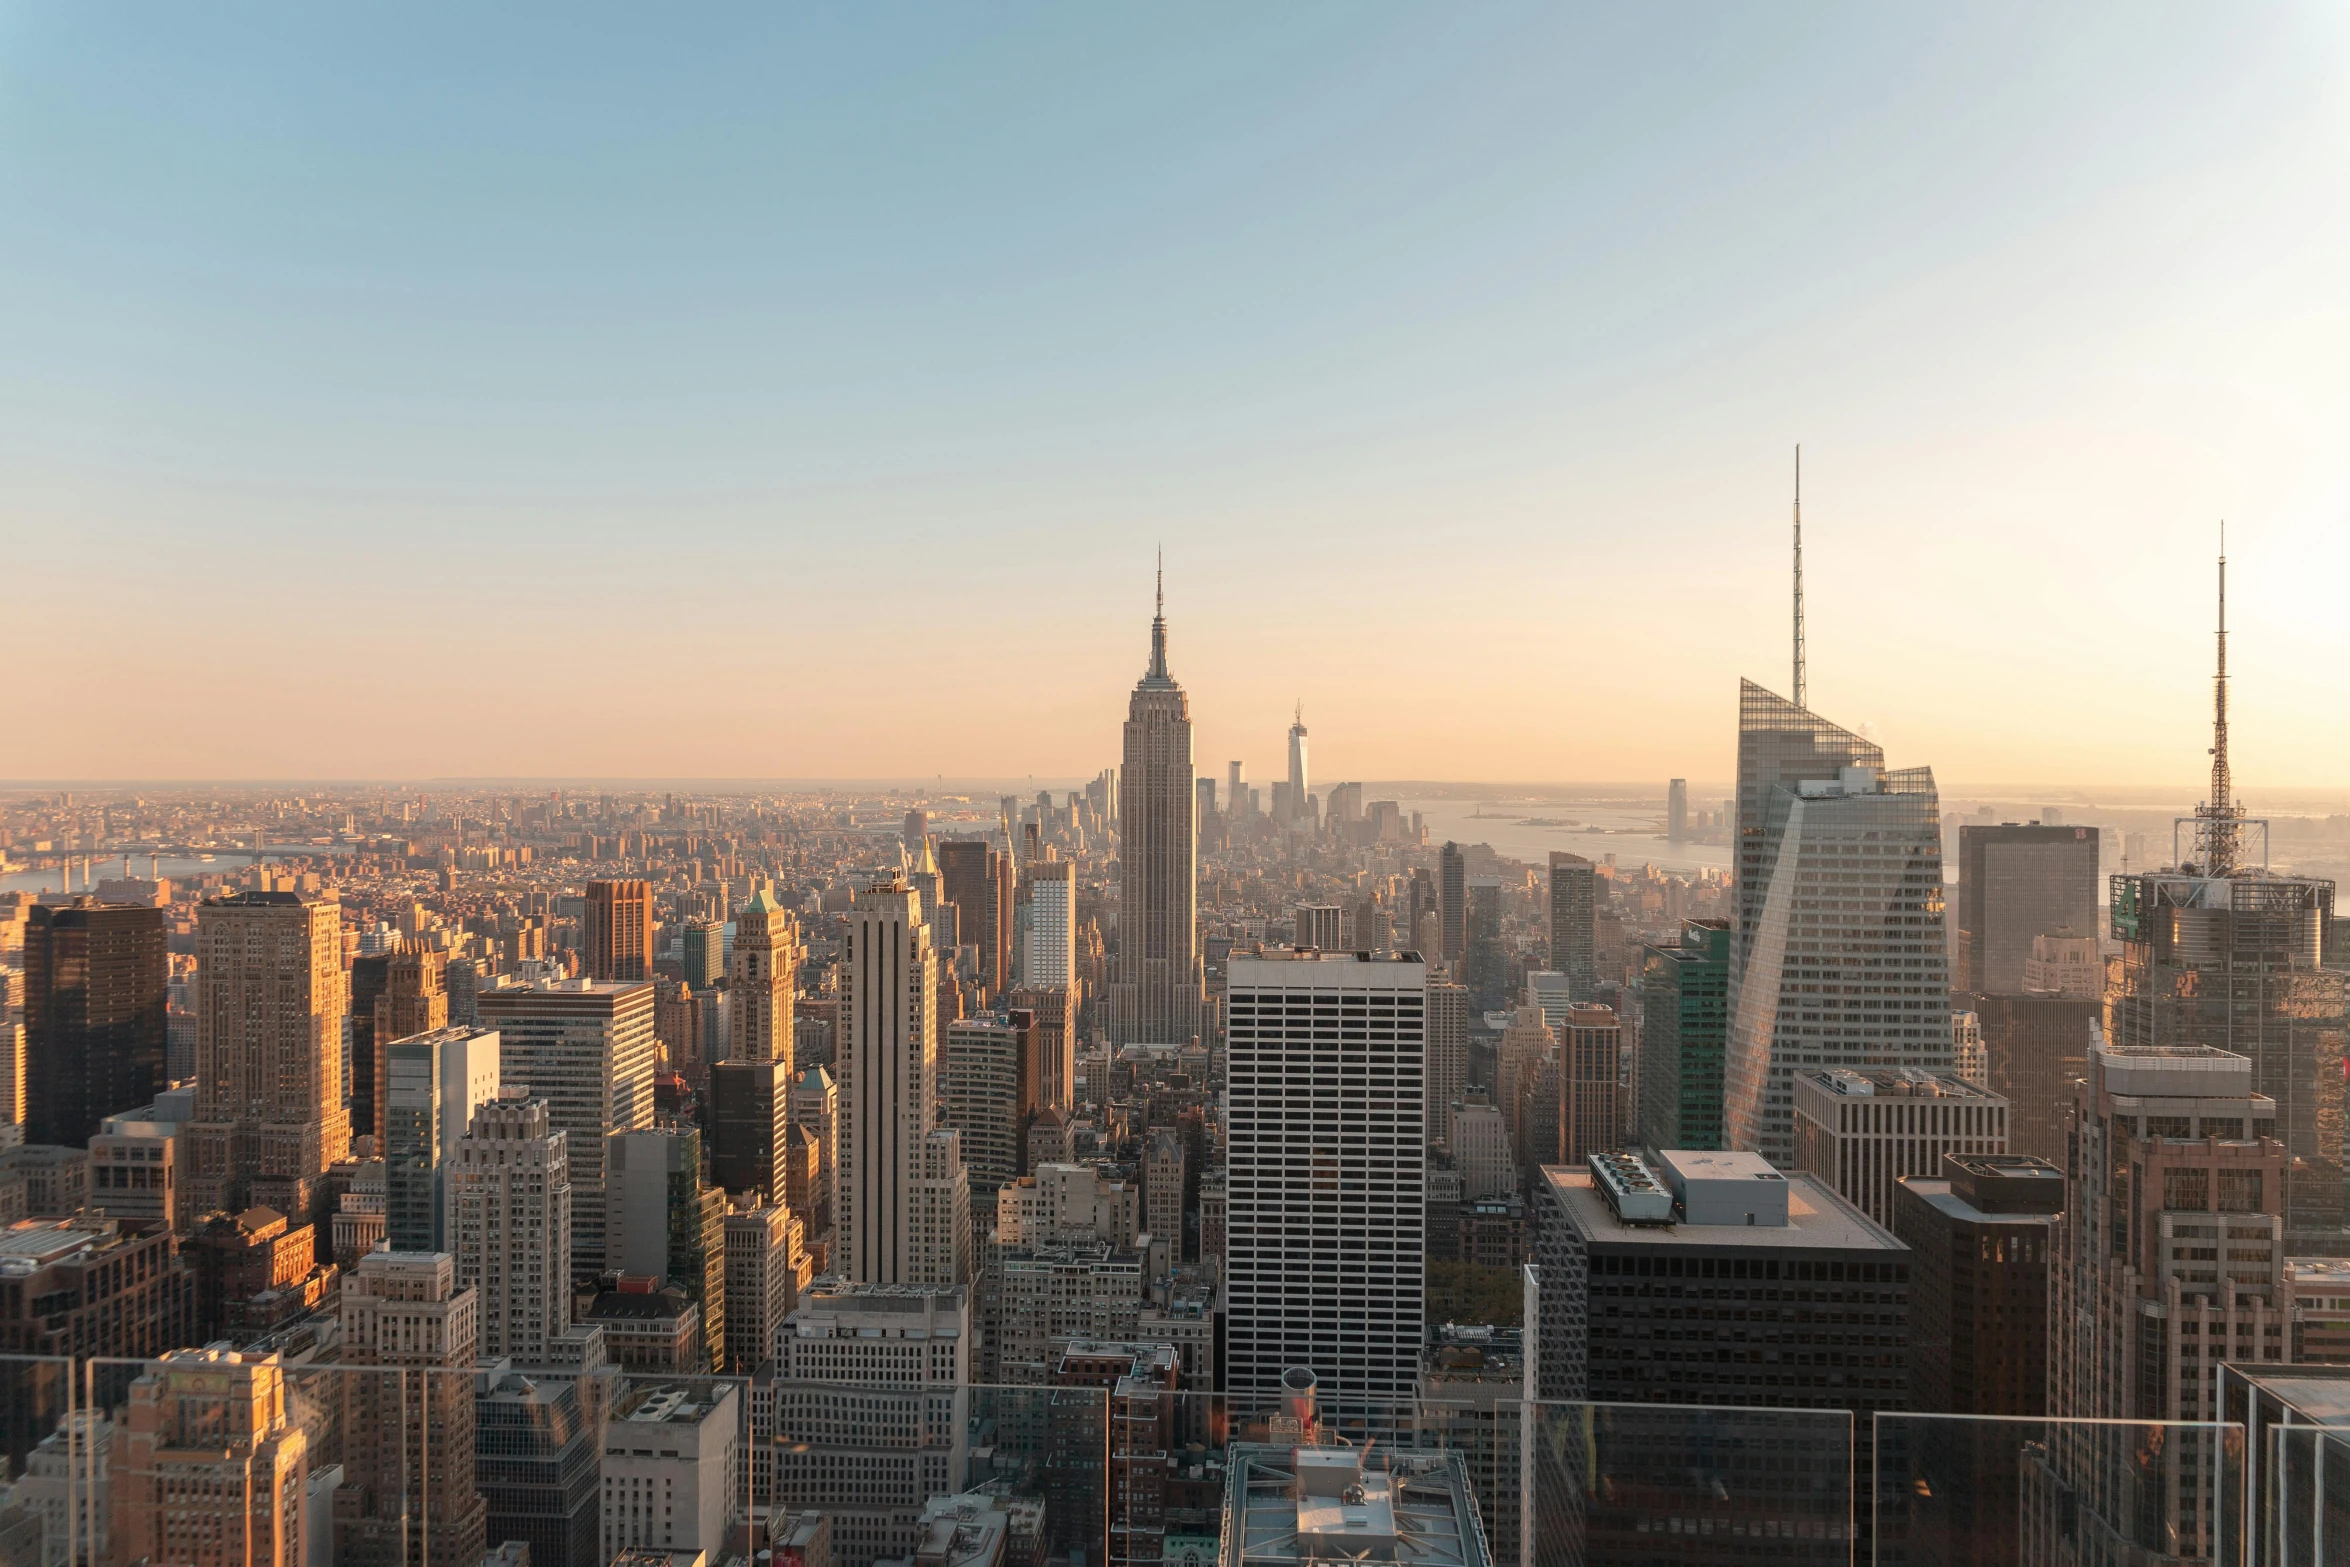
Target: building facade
{"type": "Point", "coordinates": [1161, 992]}
{"type": "Point", "coordinates": [1839, 958]}
{"type": "Point", "coordinates": [95, 981]}
{"type": "Point", "coordinates": [1684, 1020]}
{"type": "Point", "coordinates": [1572, 907]}
{"type": "Point", "coordinates": [586, 1048]}
{"type": "Point", "coordinates": [619, 931]}
{"type": "Point", "coordinates": [270, 1117]}
{"type": "Point", "coordinates": [509, 1227]}
{"type": "Point", "coordinates": [1325, 1172]}
{"type": "Point", "coordinates": [1862, 1131]}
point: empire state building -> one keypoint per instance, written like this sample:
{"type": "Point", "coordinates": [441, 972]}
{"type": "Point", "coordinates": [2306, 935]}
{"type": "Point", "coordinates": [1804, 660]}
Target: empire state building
{"type": "Point", "coordinates": [1160, 996]}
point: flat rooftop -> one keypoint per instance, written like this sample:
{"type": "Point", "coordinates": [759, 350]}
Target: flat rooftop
{"type": "Point", "coordinates": [1897, 1082]}
{"type": "Point", "coordinates": [1817, 1220]}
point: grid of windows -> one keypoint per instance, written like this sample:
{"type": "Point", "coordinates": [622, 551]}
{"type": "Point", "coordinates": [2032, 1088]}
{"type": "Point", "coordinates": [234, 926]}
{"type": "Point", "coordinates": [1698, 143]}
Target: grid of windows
{"type": "Point", "coordinates": [1326, 1174]}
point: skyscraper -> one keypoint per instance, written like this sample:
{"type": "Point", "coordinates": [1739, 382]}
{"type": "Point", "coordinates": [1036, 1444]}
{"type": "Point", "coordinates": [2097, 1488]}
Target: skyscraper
{"type": "Point", "coordinates": [510, 1227]}
{"type": "Point", "coordinates": [988, 1097]}
{"type": "Point", "coordinates": [1574, 904]}
{"type": "Point", "coordinates": [2220, 952]}
{"type": "Point", "coordinates": [1858, 979]}
{"type": "Point", "coordinates": [585, 1047]}
{"type": "Point", "coordinates": [95, 983]}
{"type": "Point", "coordinates": [195, 1416]}
{"type": "Point", "coordinates": [1452, 901]}
{"type": "Point", "coordinates": [1483, 963]}
{"type": "Point", "coordinates": [1049, 960]}
{"type": "Point", "coordinates": [620, 930]}
{"type": "Point", "coordinates": [702, 951]}
{"type": "Point", "coordinates": [977, 880]}
{"type": "Point", "coordinates": [2016, 882]}
{"type": "Point", "coordinates": [1684, 1017]}
{"type": "Point", "coordinates": [1591, 1104]}
{"type": "Point", "coordinates": [750, 1091]}
{"type": "Point", "coordinates": [414, 999]}
{"type": "Point", "coordinates": [894, 1191]}
{"type": "Point", "coordinates": [269, 1056]}
{"type": "Point", "coordinates": [1326, 1172]}
{"type": "Point", "coordinates": [1447, 1020]}
{"type": "Point", "coordinates": [370, 972]}
{"type": "Point", "coordinates": [1161, 994]}
{"type": "Point", "coordinates": [408, 1495]}
{"type": "Point", "coordinates": [1297, 766]}
{"type": "Point", "coordinates": [2173, 1165]}
{"type": "Point", "coordinates": [435, 1083]}
{"type": "Point", "coordinates": [1677, 810]}
{"type": "Point", "coordinates": [665, 1224]}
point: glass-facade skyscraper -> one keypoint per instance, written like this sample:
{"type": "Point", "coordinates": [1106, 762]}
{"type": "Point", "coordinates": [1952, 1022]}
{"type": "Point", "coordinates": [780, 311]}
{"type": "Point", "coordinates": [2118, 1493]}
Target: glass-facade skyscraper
{"type": "Point", "coordinates": [1840, 957]}
{"type": "Point", "coordinates": [1684, 1021]}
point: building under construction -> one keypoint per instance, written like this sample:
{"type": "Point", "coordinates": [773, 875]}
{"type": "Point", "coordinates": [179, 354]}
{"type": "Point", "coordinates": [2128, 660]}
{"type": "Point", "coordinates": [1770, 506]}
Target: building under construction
{"type": "Point", "coordinates": [2219, 950]}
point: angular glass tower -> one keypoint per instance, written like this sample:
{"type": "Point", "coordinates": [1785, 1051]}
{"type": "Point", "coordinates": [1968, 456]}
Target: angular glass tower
{"type": "Point", "coordinates": [1839, 957]}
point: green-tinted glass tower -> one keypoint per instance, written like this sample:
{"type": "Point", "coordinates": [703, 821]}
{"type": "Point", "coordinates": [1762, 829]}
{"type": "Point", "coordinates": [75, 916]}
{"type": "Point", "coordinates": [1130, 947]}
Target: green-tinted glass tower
{"type": "Point", "coordinates": [1684, 1027]}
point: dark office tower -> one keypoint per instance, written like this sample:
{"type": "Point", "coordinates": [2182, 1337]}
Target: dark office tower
{"type": "Point", "coordinates": [2015, 882]}
{"type": "Point", "coordinates": [1684, 1021]}
{"type": "Point", "coordinates": [1452, 901]}
{"type": "Point", "coordinates": [95, 999]}
{"type": "Point", "coordinates": [414, 1000]}
{"type": "Point", "coordinates": [2221, 952]}
{"type": "Point", "coordinates": [704, 952]}
{"type": "Point", "coordinates": [1650, 1274]}
{"type": "Point", "coordinates": [750, 1126]}
{"type": "Point", "coordinates": [1483, 963]}
{"type": "Point", "coordinates": [917, 827]}
{"type": "Point", "coordinates": [1677, 810]}
{"type": "Point", "coordinates": [1859, 979]}
{"type": "Point", "coordinates": [978, 882]}
{"type": "Point", "coordinates": [369, 975]}
{"type": "Point", "coordinates": [2037, 1045]}
{"type": "Point", "coordinates": [1161, 995]}
{"type": "Point", "coordinates": [620, 930]}
{"type": "Point", "coordinates": [1574, 903]}
{"type": "Point", "coordinates": [1979, 1323]}
{"type": "Point", "coordinates": [537, 1465]}
{"type": "Point", "coordinates": [1981, 1233]}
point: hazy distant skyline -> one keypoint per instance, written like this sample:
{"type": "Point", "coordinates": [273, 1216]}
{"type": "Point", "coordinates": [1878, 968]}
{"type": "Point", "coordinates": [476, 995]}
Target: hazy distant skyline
{"type": "Point", "coordinates": [412, 394]}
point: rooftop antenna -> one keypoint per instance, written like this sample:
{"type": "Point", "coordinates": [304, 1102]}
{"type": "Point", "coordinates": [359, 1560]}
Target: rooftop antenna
{"type": "Point", "coordinates": [2220, 826]}
{"type": "Point", "coordinates": [1802, 700]}
{"type": "Point", "coordinates": [1159, 621]}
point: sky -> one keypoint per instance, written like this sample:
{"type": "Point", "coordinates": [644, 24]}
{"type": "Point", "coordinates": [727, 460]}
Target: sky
{"type": "Point", "coordinates": [805, 392]}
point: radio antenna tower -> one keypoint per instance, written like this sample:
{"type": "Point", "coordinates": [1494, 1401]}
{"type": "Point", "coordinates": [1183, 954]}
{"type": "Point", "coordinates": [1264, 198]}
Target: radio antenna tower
{"type": "Point", "coordinates": [2221, 816]}
{"type": "Point", "coordinates": [1802, 700]}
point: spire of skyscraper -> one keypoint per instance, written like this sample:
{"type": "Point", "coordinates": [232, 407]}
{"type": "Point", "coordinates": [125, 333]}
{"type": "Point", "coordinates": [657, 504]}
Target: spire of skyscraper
{"type": "Point", "coordinates": [1802, 696]}
{"type": "Point", "coordinates": [2218, 819]}
{"type": "Point", "coordinates": [1158, 670]}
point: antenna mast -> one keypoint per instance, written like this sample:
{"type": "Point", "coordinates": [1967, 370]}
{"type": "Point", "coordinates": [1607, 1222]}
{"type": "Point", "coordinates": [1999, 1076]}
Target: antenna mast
{"type": "Point", "coordinates": [1802, 699]}
{"type": "Point", "coordinates": [2220, 814]}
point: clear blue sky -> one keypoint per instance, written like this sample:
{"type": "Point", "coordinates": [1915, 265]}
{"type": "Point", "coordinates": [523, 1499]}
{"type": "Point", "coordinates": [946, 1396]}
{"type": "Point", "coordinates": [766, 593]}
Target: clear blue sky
{"type": "Point", "coordinates": [708, 392]}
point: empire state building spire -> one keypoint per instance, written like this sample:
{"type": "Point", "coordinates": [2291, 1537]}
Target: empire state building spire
{"type": "Point", "coordinates": [1158, 669]}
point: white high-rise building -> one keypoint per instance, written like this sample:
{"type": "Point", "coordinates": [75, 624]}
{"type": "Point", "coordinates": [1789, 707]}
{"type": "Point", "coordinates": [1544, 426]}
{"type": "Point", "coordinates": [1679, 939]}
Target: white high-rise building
{"type": "Point", "coordinates": [1049, 959]}
{"type": "Point", "coordinates": [863, 1417]}
{"type": "Point", "coordinates": [510, 1226]}
{"type": "Point", "coordinates": [1840, 957]}
{"type": "Point", "coordinates": [586, 1047]}
{"type": "Point", "coordinates": [1326, 1172]}
{"type": "Point", "coordinates": [897, 1190]}
{"type": "Point", "coordinates": [671, 1476]}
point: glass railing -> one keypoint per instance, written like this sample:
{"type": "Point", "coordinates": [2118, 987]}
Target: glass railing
{"type": "Point", "coordinates": [1991, 1491]}
{"type": "Point", "coordinates": [2300, 1501]}
{"type": "Point", "coordinates": [204, 1455]}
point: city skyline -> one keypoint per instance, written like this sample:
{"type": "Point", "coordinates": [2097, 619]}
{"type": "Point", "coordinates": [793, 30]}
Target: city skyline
{"type": "Point", "coordinates": [2042, 314]}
